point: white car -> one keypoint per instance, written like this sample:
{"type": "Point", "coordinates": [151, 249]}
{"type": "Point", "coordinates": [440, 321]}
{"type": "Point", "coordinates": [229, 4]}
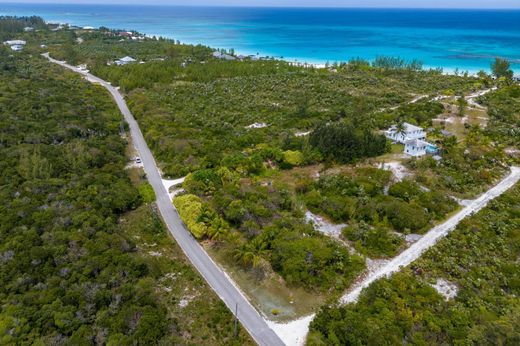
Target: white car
{"type": "Point", "coordinates": [138, 160]}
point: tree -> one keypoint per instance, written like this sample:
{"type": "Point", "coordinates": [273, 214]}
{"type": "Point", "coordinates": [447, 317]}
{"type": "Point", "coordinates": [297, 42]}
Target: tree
{"type": "Point", "coordinates": [462, 104]}
{"type": "Point", "coordinates": [502, 68]}
{"type": "Point", "coordinates": [400, 127]}
{"type": "Point", "coordinates": [251, 253]}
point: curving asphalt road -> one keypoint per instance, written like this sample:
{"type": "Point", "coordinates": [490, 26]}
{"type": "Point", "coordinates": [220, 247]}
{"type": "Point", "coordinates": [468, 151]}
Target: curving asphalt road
{"type": "Point", "coordinates": [216, 278]}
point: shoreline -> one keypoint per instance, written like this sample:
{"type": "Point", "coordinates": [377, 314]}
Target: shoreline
{"type": "Point", "coordinates": [316, 63]}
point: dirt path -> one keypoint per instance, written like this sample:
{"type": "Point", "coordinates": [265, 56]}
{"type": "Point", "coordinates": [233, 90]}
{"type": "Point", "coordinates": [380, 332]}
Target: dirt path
{"type": "Point", "coordinates": [294, 333]}
{"type": "Point", "coordinates": [471, 97]}
{"type": "Point", "coordinates": [434, 235]}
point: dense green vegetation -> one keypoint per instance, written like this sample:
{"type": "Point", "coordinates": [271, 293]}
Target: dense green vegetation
{"type": "Point", "coordinates": [194, 109]}
{"type": "Point", "coordinates": [504, 112]}
{"type": "Point", "coordinates": [260, 226]}
{"type": "Point", "coordinates": [480, 257]}
{"type": "Point", "coordinates": [195, 112]}
{"type": "Point", "coordinates": [359, 199]}
{"type": "Point", "coordinates": [248, 187]}
{"type": "Point", "coordinates": [74, 225]}
{"type": "Point", "coordinates": [16, 25]}
{"type": "Point", "coordinates": [344, 143]}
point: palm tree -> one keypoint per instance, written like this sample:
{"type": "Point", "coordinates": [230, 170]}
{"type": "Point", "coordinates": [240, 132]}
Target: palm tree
{"type": "Point", "coordinates": [400, 128]}
{"type": "Point", "coordinates": [251, 253]}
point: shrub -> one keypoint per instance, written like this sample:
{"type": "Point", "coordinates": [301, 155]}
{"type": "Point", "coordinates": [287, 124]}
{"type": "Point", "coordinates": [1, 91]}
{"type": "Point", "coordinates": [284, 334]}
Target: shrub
{"type": "Point", "coordinates": [405, 190]}
{"type": "Point", "coordinates": [293, 158]}
{"type": "Point", "coordinates": [146, 192]}
{"type": "Point", "coordinates": [190, 209]}
{"type": "Point", "coordinates": [373, 241]}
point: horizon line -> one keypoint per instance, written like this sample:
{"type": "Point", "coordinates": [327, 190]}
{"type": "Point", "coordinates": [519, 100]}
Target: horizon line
{"type": "Point", "coordinates": [257, 6]}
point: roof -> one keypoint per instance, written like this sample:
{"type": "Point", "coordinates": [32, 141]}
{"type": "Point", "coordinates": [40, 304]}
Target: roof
{"type": "Point", "coordinates": [418, 143]}
{"type": "Point", "coordinates": [15, 42]}
{"type": "Point", "coordinates": [411, 128]}
{"type": "Point", "coordinates": [220, 55]}
{"type": "Point", "coordinates": [127, 59]}
{"type": "Point", "coordinates": [408, 127]}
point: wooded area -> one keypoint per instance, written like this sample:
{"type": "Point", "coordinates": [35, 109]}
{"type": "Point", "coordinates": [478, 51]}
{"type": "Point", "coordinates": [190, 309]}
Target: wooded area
{"type": "Point", "coordinates": [75, 264]}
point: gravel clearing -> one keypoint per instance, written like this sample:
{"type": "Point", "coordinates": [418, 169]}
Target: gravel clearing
{"type": "Point", "coordinates": [323, 226]}
{"type": "Point", "coordinates": [445, 288]}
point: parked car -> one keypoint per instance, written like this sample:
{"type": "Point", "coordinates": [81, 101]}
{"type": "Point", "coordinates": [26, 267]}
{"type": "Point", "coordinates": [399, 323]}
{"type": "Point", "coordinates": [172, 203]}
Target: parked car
{"type": "Point", "coordinates": [138, 160]}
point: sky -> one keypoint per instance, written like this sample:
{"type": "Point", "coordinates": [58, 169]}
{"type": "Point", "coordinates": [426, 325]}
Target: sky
{"type": "Point", "coordinates": [307, 3]}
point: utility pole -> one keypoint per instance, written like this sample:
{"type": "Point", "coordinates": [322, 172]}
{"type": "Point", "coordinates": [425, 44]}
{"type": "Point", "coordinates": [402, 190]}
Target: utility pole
{"type": "Point", "coordinates": [236, 320]}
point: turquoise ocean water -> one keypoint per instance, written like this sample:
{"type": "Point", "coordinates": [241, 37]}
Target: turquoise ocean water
{"type": "Point", "coordinates": [463, 39]}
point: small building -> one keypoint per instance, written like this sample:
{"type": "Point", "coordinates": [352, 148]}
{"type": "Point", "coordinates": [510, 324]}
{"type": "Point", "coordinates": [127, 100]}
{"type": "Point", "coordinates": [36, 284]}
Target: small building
{"type": "Point", "coordinates": [15, 42]}
{"type": "Point", "coordinates": [28, 29]}
{"type": "Point", "coordinates": [223, 56]}
{"type": "Point", "coordinates": [409, 132]}
{"type": "Point", "coordinates": [417, 147]}
{"type": "Point", "coordinates": [124, 61]}
{"type": "Point", "coordinates": [516, 78]}
{"type": "Point", "coordinates": [17, 47]}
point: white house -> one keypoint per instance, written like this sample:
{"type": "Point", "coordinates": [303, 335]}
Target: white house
{"type": "Point", "coordinates": [15, 42]}
{"type": "Point", "coordinates": [417, 147]}
{"type": "Point", "coordinates": [125, 60]}
{"type": "Point", "coordinates": [410, 132]}
{"type": "Point", "coordinates": [219, 55]}
{"type": "Point", "coordinates": [17, 47]}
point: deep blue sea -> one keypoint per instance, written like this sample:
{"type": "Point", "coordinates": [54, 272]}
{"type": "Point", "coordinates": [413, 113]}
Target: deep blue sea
{"type": "Point", "coordinates": [463, 39]}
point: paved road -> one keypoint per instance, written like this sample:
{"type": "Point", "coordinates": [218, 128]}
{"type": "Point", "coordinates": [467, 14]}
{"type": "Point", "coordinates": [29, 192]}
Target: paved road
{"type": "Point", "coordinates": [434, 235]}
{"type": "Point", "coordinates": [217, 279]}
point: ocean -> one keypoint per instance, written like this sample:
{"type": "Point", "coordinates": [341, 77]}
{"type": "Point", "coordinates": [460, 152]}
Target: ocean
{"type": "Point", "coordinates": [467, 40]}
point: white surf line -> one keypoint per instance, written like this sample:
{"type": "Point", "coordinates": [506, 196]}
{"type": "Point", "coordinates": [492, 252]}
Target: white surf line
{"type": "Point", "coordinates": [434, 235]}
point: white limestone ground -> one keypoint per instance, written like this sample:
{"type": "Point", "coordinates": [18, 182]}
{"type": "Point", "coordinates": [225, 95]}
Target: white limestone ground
{"type": "Point", "coordinates": [168, 184]}
{"type": "Point", "coordinates": [463, 202]}
{"type": "Point", "coordinates": [302, 134]}
{"type": "Point", "coordinates": [412, 238]}
{"type": "Point", "coordinates": [446, 288]}
{"type": "Point", "coordinates": [399, 171]}
{"type": "Point", "coordinates": [256, 126]}
{"type": "Point", "coordinates": [292, 333]}
{"type": "Point", "coordinates": [323, 226]}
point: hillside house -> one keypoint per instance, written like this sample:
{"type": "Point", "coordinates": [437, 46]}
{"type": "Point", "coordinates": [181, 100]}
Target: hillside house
{"type": "Point", "coordinates": [15, 45]}
{"type": "Point", "coordinates": [125, 60]}
{"type": "Point", "coordinates": [222, 56]}
{"type": "Point", "coordinates": [15, 42]}
{"type": "Point", "coordinates": [410, 132]}
{"type": "Point", "coordinates": [417, 147]}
